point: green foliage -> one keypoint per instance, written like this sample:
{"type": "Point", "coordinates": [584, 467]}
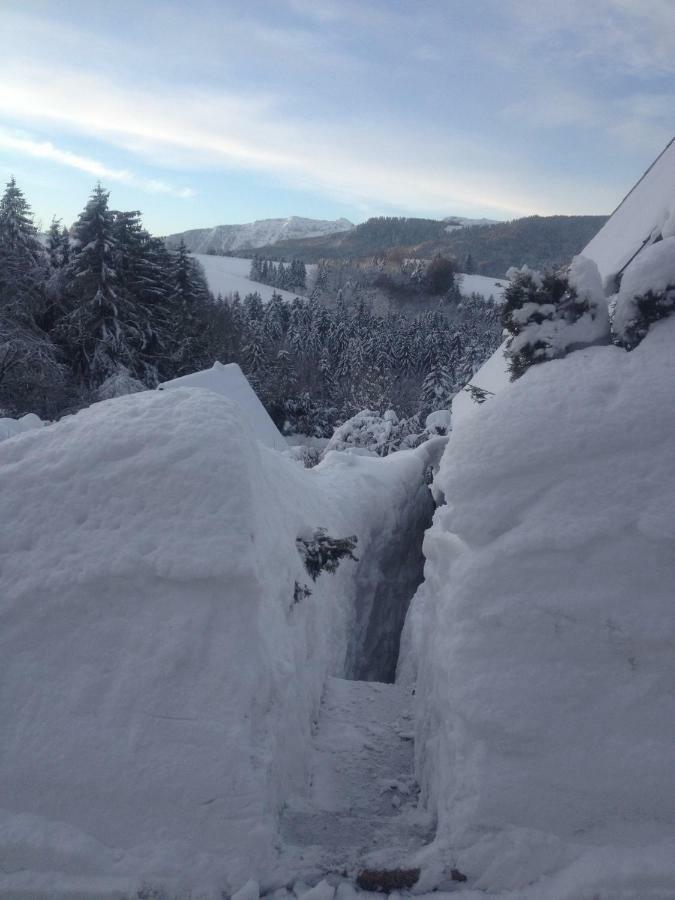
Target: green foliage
{"type": "Point", "coordinates": [322, 553]}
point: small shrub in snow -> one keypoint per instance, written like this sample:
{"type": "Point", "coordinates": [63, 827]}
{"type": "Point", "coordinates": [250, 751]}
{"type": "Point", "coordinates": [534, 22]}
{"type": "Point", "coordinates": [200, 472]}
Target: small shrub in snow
{"type": "Point", "coordinates": [322, 553]}
{"type": "Point", "coordinates": [647, 293]}
{"type": "Point", "coordinates": [478, 394]}
{"type": "Point", "coordinates": [550, 315]}
{"type": "Point", "coordinates": [300, 592]}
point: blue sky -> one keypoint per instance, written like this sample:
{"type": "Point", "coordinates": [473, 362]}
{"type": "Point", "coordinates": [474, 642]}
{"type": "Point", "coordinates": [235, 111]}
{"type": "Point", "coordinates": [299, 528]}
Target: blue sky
{"type": "Point", "coordinates": [208, 112]}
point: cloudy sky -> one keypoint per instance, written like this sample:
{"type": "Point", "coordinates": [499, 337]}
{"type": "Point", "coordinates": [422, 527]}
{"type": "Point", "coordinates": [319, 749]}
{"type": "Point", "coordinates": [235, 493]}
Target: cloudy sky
{"type": "Point", "coordinates": [218, 111]}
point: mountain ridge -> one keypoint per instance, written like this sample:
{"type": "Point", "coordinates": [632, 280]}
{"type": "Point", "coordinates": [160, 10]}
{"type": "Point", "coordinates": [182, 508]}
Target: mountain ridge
{"type": "Point", "coordinates": [223, 239]}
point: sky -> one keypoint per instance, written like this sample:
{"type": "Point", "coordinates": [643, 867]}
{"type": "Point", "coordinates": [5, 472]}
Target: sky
{"type": "Point", "coordinates": [221, 111]}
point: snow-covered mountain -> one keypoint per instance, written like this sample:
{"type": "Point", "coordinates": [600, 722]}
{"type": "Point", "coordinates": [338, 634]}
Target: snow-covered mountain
{"type": "Point", "coordinates": [228, 238]}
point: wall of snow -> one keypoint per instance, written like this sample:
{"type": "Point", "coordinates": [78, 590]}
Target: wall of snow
{"type": "Point", "coordinates": [157, 679]}
{"type": "Point", "coordinates": [543, 633]}
{"type": "Point", "coordinates": [384, 589]}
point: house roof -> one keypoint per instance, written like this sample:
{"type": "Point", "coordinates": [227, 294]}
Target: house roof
{"type": "Point", "coordinates": [639, 219]}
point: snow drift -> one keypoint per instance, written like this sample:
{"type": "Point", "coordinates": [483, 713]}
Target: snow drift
{"type": "Point", "coordinates": [543, 633]}
{"type": "Point", "coordinates": [158, 672]}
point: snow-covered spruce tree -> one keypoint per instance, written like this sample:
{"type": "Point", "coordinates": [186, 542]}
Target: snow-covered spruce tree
{"type": "Point", "coordinates": [548, 316]}
{"type": "Point", "coordinates": [437, 389]}
{"type": "Point", "coordinates": [188, 298]}
{"type": "Point", "coordinates": [103, 327]}
{"type": "Point", "coordinates": [31, 375]}
{"type": "Point", "coordinates": [646, 294]}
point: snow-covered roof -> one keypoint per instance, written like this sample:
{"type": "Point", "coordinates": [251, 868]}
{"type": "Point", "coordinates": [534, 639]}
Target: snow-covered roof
{"type": "Point", "coordinates": [229, 381]}
{"type": "Point", "coordinates": [645, 214]}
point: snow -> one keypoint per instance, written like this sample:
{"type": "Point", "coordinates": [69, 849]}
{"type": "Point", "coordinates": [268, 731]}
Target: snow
{"type": "Point", "coordinates": [455, 222]}
{"type": "Point", "coordinates": [229, 274]}
{"type": "Point", "coordinates": [11, 427]}
{"type": "Point", "coordinates": [261, 233]}
{"type": "Point", "coordinates": [492, 376]}
{"type": "Point", "coordinates": [543, 633]}
{"type": "Point", "coordinates": [360, 809]}
{"type": "Point", "coordinates": [639, 219]}
{"type": "Point", "coordinates": [481, 284]}
{"type": "Point", "coordinates": [230, 382]}
{"type": "Point", "coordinates": [158, 679]}
{"type": "Point", "coordinates": [438, 422]}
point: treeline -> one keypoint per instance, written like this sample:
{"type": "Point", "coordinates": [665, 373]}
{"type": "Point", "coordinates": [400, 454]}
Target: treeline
{"type": "Point", "coordinates": [285, 276]}
{"type": "Point", "coordinates": [105, 309]}
{"type": "Point", "coordinates": [315, 366]}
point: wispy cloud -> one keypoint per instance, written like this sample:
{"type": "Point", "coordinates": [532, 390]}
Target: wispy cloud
{"type": "Point", "coordinates": [26, 146]}
{"type": "Point", "coordinates": [353, 160]}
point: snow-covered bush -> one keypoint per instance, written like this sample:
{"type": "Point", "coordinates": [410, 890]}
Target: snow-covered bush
{"type": "Point", "coordinates": [368, 430]}
{"type": "Point", "coordinates": [646, 294]}
{"type": "Point", "coordinates": [376, 434]}
{"type": "Point", "coordinates": [119, 384]}
{"type": "Point", "coordinates": [549, 315]}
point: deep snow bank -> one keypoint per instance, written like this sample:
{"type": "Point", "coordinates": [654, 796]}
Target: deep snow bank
{"type": "Point", "coordinates": [543, 633]}
{"type": "Point", "coordinates": [157, 680]}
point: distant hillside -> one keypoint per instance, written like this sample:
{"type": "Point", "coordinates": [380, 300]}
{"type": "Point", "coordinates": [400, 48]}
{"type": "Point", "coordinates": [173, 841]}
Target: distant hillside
{"type": "Point", "coordinates": [377, 235]}
{"type": "Point", "coordinates": [544, 242]}
{"type": "Point", "coordinates": [224, 239]}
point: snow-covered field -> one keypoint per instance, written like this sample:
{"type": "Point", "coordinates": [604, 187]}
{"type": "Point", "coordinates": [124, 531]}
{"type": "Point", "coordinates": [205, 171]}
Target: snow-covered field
{"type": "Point", "coordinates": [227, 274]}
{"type": "Point", "coordinates": [481, 284]}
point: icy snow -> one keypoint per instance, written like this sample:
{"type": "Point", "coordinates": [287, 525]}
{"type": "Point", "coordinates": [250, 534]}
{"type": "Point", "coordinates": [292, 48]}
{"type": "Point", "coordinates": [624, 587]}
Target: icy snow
{"type": "Point", "coordinates": [229, 274]}
{"type": "Point", "coordinates": [543, 633]}
{"type": "Point", "coordinates": [639, 219]}
{"type": "Point", "coordinates": [230, 382]}
{"type": "Point", "coordinates": [157, 680]}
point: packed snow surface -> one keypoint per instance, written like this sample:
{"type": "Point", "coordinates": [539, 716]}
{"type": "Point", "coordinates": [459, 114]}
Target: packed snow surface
{"type": "Point", "coordinates": [230, 382]}
{"type": "Point", "coordinates": [543, 634]}
{"type": "Point", "coordinates": [159, 671]}
{"type": "Point", "coordinates": [229, 238]}
{"type": "Point", "coordinates": [227, 275]}
{"type": "Point", "coordinates": [647, 212]}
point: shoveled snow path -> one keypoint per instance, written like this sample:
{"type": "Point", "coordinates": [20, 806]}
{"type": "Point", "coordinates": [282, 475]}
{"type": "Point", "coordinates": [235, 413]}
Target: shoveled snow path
{"type": "Point", "coordinates": [361, 808]}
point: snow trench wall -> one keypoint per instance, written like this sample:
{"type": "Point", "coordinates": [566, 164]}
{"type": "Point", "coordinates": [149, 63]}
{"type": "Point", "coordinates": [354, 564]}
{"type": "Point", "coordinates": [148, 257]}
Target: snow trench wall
{"type": "Point", "coordinates": [158, 675]}
{"type": "Point", "coordinates": [391, 570]}
{"type": "Point", "coordinates": [543, 633]}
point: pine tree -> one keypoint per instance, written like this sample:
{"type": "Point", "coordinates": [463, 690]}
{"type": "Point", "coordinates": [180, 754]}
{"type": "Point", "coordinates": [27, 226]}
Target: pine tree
{"type": "Point", "coordinates": [30, 371]}
{"type": "Point", "coordinates": [102, 329]}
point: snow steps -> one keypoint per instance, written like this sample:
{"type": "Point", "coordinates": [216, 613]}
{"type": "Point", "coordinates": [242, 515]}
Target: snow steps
{"type": "Point", "coordinates": [361, 807]}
